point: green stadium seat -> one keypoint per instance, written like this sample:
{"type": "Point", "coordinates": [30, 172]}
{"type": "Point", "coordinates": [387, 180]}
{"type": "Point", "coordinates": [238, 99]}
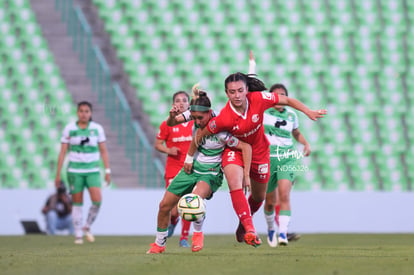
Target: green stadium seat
{"type": "Point", "coordinates": [367, 14]}
{"type": "Point", "coordinates": [341, 14]}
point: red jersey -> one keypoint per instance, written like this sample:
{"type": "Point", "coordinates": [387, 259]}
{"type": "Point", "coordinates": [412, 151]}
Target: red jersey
{"type": "Point", "coordinates": [247, 127]}
{"type": "Point", "coordinates": [176, 136]}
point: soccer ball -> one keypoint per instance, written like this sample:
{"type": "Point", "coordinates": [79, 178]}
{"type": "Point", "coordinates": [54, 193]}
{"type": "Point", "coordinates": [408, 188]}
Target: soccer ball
{"type": "Point", "coordinates": [191, 207]}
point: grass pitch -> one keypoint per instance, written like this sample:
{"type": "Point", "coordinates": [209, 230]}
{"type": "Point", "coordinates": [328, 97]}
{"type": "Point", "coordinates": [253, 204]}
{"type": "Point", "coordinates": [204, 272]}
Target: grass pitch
{"type": "Point", "coordinates": [312, 254]}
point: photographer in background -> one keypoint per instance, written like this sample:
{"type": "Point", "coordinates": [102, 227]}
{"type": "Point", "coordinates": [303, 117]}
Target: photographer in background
{"type": "Point", "coordinates": [58, 209]}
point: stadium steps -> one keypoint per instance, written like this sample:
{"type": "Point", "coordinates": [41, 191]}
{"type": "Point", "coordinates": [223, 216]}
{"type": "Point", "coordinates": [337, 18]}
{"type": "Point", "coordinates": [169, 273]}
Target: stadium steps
{"type": "Point", "coordinates": [74, 74]}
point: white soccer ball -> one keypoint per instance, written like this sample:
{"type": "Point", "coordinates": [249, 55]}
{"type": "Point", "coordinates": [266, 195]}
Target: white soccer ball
{"type": "Point", "coordinates": [191, 207]}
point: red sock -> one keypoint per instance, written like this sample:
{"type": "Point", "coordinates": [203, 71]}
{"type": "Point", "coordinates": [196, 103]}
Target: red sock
{"type": "Point", "coordinates": [185, 229]}
{"type": "Point", "coordinates": [241, 207]}
{"type": "Point", "coordinates": [254, 205]}
{"type": "Point", "coordinates": [277, 210]}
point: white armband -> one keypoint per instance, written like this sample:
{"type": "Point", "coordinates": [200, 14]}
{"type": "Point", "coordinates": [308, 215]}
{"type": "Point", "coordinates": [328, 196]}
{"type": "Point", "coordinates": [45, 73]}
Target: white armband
{"type": "Point", "coordinates": [252, 67]}
{"type": "Point", "coordinates": [189, 159]}
{"type": "Point", "coordinates": [107, 171]}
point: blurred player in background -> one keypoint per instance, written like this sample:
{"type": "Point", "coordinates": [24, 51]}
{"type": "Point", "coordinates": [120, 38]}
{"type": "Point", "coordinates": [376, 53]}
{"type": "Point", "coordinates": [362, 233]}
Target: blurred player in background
{"type": "Point", "coordinates": [174, 141]}
{"type": "Point", "coordinates": [85, 140]}
{"type": "Point", "coordinates": [280, 125]}
{"type": "Point", "coordinates": [207, 173]}
{"type": "Point", "coordinates": [243, 117]}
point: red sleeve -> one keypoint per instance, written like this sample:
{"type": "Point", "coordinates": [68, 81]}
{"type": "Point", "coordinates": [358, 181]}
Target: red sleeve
{"type": "Point", "coordinates": [219, 124]}
{"type": "Point", "coordinates": [163, 132]}
{"type": "Point", "coordinates": [266, 99]}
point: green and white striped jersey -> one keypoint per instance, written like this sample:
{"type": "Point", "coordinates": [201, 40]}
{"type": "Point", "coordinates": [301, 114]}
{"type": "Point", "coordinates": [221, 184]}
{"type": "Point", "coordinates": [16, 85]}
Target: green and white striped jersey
{"type": "Point", "coordinates": [207, 158]}
{"type": "Point", "coordinates": [83, 154]}
{"type": "Point", "coordinates": [278, 129]}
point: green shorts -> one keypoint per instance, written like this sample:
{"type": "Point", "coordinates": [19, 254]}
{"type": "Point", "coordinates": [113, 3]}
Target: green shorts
{"type": "Point", "coordinates": [79, 181]}
{"type": "Point", "coordinates": [184, 183]}
{"type": "Point", "coordinates": [281, 169]}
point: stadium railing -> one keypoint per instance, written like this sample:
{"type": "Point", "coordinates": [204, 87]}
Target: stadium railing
{"type": "Point", "coordinates": [130, 133]}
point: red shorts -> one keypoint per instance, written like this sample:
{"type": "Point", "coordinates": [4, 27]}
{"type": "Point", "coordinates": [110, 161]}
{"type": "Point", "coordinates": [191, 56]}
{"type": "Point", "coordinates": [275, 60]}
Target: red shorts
{"type": "Point", "coordinates": [259, 172]}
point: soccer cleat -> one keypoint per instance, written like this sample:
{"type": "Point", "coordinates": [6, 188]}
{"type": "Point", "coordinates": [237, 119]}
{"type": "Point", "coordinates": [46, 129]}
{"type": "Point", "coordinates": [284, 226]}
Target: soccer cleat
{"type": "Point", "coordinates": [184, 243]}
{"type": "Point", "coordinates": [282, 239]}
{"type": "Point", "coordinates": [271, 238]}
{"type": "Point", "coordinates": [79, 240]}
{"type": "Point", "coordinates": [198, 241]}
{"type": "Point", "coordinates": [293, 237]}
{"type": "Point", "coordinates": [240, 232]}
{"type": "Point", "coordinates": [251, 238]}
{"type": "Point", "coordinates": [156, 249]}
{"type": "Point", "coordinates": [171, 229]}
{"type": "Point", "coordinates": [89, 237]}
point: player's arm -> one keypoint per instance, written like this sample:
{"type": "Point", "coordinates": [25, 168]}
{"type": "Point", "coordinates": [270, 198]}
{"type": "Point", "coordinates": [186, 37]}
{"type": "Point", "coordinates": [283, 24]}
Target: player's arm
{"type": "Point", "coordinates": [63, 149]}
{"type": "Point", "coordinates": [176, 117]}
{"type": "Point", "coordinates": [195, 142]}
{"type": "Point", "coordinates": [160, 146]}
{"type": "Point", "coordinates": [105, 158]}
{"type": "Point", "coordinates": [301, 139]}
{"type": "Point", "coordinates": [296, 104]}
{"type": "Point", "coordinates": [247, 160]}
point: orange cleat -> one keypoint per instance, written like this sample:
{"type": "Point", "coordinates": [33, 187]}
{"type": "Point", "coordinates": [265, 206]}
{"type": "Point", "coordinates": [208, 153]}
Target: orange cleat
{"type": "Point", "coordinates": [251, 238]}
{"type": "Point", "coordinates": [156, 249]}
{"type": "Point", "coordinates": [198, 239]}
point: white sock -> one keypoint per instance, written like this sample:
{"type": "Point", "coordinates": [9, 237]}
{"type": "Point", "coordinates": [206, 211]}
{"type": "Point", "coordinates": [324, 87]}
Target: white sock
{"type": "Point", "coordinates": [283, 223]}
{"type": "Point", "coordinates": [161, 238]}
{"type": "Point", "coordinates": [270, 220]}
{"type": "Point", "coordinates": [93, 212]}
{"type": "Point", "coordinates": [77, 220]}
{"type": "Point", "coordinates": [198, 225]}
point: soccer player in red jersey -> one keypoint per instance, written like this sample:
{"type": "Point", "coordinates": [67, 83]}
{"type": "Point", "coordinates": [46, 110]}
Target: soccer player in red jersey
{"type": "Point", "coordinates": [243, 117]}
{"type": "Point", "coordinates": [174, 141]}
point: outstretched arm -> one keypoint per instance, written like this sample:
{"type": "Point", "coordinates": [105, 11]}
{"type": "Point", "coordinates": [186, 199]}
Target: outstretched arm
{"type": "Point", "coordinates": [294, 103]}
{"type": "Point", "coordinates": [175, 117]}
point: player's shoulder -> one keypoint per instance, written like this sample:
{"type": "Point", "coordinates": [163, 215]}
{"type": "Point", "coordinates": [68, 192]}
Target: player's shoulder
{"type": "Point", "coordinates": [95, 125]}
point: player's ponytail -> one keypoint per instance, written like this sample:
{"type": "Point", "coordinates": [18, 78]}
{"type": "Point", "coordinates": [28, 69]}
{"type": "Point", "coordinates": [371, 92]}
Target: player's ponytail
{"type": "Point", "coordinates": [253, 84]}
{"type": "Point", "coordinates": [200, 101]}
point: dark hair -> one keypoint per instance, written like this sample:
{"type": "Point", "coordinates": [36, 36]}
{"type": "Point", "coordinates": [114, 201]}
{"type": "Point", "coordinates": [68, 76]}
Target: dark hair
{"type": "Point", "coordinates": [85, 103]}
{"type": "Point", "coordinates": [178, 93]}
{"type": "Point", "coordinates": [278, 86]}
{"type": "Point", "coordinates": [253, 84]}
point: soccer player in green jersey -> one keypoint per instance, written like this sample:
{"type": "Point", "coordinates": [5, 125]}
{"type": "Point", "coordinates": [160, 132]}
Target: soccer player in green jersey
{"type": "Point", "coordinates": [280, 125]}
{"type": "Point", "coordinates": [85, 141]}
{"type": "Point", "coordinates": [206, 176]}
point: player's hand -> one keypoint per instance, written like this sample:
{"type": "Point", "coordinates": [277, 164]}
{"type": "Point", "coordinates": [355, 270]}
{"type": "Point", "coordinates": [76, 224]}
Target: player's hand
{"type": "Point", "coordinates": [307, 150]}
{"type": "Point", "coordinates": [315, 114]}
{"type": "Point", "coordinates": [173, 151]}
{"type": "Point", "coordinates": [57, 181]}
{"type": "Point", "coordinates": [246, 185]}
{"type": "Point", "coordinates": [174, 111]}
{"type": "Point", "coordinates": [251, 56]}
{"type": "Point", "coordinates": [188, 166]}
{"type": "Point", "coordinates": [108, 179]}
